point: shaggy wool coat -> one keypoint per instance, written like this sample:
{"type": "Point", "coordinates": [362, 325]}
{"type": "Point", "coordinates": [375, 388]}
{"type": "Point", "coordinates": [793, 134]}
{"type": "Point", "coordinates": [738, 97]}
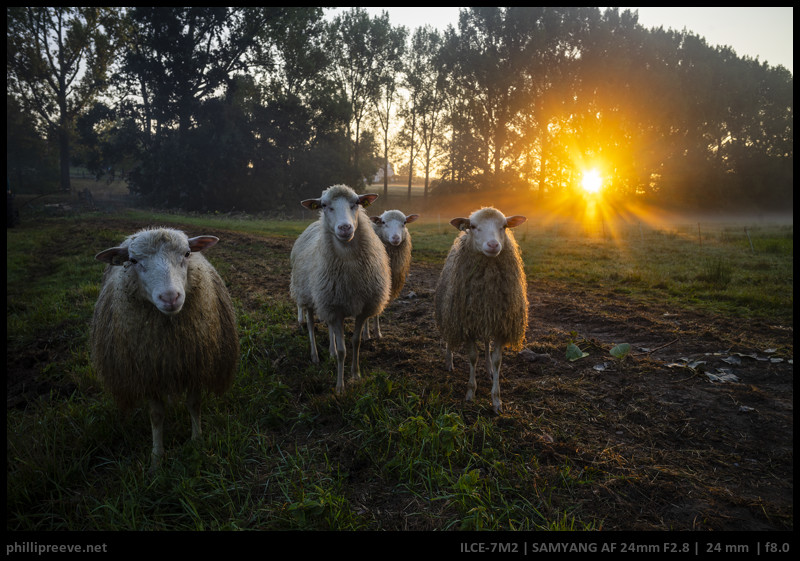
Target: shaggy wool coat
{"type": "Point", "coordinates": [140, 353]}
{"type": "Point", "coordinates": [399, 263]}
{"type": "Point", "coordinates": [480, 298]}
{"type": "Point", "coordinates": [336, 279]}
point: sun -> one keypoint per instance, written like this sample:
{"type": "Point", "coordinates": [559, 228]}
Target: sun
{"type": "Point", "coordinates": [592, 181]}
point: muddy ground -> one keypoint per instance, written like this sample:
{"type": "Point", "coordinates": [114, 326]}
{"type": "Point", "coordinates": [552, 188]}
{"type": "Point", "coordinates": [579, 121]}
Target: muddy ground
{"type": "Point", "coordinates": [665, 438]}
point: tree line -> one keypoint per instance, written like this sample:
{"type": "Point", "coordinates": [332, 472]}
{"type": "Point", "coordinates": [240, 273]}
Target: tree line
{"type": "Point", "coordinates": [253, 108]}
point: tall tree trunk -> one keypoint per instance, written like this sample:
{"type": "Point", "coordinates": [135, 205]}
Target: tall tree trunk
{"type": "Point", "coordinates": [63, 144]}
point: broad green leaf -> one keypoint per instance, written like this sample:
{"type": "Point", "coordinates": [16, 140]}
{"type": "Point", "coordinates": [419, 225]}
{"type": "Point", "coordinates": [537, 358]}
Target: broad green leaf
{"type": "Point", "coordinates": [621, 350]}
{"type": "Point", "coordinates": [574, 353]}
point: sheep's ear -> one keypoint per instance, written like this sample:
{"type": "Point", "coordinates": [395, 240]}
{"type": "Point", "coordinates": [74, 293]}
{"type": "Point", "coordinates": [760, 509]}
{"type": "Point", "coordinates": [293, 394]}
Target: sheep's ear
{"type": "Point", "coordinates": [411, 218]}
{"type": "Point", "coordinates": [367, 199]}
{"type": "Point", "coordinates": [202, 242]}
{"type": "Point", "coordinates": [113, 256]}
{"type": "Point", "coordinates": [514, 221]}
{"type": "Point", "coordinates": [460, 223]}
{"type": "Point", "coordinates": [376, 219]}
{"type": "Point", "coordinates": [312, 204]}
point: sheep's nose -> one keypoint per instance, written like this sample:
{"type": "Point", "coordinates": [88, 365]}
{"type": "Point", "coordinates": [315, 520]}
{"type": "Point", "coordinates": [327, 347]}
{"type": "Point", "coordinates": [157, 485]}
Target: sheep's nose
{"type": "Point", "coordinates": [345, 229]}
{"type": "Point", "coordinates": [170, 298]}
{"type": "Point", "coordinates": [395, 239]}
{"type": "Point", "coordinates": [493, 244]}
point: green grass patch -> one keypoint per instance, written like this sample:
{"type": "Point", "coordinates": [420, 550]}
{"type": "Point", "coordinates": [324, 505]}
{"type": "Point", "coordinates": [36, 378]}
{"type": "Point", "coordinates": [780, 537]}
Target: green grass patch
{"type": "Point", "coordinates": [280, 449]}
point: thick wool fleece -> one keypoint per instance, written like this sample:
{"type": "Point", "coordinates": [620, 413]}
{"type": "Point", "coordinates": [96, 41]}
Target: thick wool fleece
{"type": "Point", "coordinates": [480, 298]}
{"type": "Point", "coordinates": [351, 279]}
{"type": "Point", "coordinates": [303, 265]}
{"type": "Point", "coordinates": [138, 352]}
{"type": "Point", "coordinates": [399, 263]}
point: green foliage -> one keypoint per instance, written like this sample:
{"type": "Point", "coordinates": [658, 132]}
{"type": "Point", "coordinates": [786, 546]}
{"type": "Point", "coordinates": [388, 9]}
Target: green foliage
{"type": "Point", "coordinates": [574, 352]}
{"type": "Point", "coordinates": [620, 351]}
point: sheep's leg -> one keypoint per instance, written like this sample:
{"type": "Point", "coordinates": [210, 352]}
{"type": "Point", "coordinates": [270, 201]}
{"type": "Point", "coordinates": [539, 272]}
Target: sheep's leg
{"type": "Point", "coordinates": [493, 360]}
{"type": "Point", "coordinates": [448, 358]}
{"type": "Point", "coordinates": [157, 425]}
{"type": "Point", "coordinates": [366, 336]}
{"type": "Point", "coordinates": [378, 327]}
{"type": "Point", "coordinates": [360, 320]}
{"type": "Point", "coordinates": [472, 386]}
{"type": "Point", "coordinates": [336, 329]}
{"type": "Point", "coordinates": [193, 402]}
{"type": "Point", "coordinates": [310, 324]}
{"type": "Point", "coordinates": [331, 341]}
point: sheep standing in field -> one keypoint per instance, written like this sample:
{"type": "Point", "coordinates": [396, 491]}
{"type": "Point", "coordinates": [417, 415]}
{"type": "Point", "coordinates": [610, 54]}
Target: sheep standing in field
{"type": "Point", "coordinates": [339, 269]}
{"type": "Point", "coordinates": [391, 229]}
{"type": "Point", "coordinates": [163, 326]}
{"type": "Point", "coordinates": [481, 294]}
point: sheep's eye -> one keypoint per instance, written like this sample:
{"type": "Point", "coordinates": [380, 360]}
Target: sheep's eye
{"type": "Point", "coordinates": [188, 253]}
{"type": "Point", "coordinates": [133, 261]}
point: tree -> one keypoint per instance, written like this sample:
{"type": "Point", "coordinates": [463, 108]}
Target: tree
{"type": "Point", "coordinates": [497, 47]}
{"type": "Point", "coordinates": [31, 164]}
{"type": "Point", "coordinates": [361, 48]}
{"type": "Point", "coordinates": [387, 93]}
{"type": "Point", "coordinates": [178, 59]}
{"type": "Point", "coordinates": [57, 63]}
{"type": "Point", "coordinates": [427, 42]}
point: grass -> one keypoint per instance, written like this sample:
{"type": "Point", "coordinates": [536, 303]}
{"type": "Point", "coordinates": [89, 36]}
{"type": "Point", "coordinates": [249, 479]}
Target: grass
{"type": "Point", "coordinates": [279, 450]}
{"type": "Point", "coordinates": [721, 276]}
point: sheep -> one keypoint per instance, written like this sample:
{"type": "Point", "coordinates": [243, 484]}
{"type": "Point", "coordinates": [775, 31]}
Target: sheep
{"type": "Point", "coordinates": [163, 326]}
{"type": "Point", "coordinates": [481, 294]}
{"type": "Point", "coordinates": [339, 269]}
{"type": "Point", "coordinates": [391, 229]}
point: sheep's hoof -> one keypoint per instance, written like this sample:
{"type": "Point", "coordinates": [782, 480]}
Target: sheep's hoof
{"type": "Point", "coordinates": [155, 463]}
{"type": "Point", "coordinates": [470, 395]}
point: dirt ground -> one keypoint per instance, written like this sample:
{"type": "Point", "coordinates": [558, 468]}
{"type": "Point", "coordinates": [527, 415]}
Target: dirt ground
{"type": "Point", "coordinates": [666, 440]}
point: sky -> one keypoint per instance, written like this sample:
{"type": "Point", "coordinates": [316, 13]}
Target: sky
{"type": "Point", "coordinates": [765, 33]}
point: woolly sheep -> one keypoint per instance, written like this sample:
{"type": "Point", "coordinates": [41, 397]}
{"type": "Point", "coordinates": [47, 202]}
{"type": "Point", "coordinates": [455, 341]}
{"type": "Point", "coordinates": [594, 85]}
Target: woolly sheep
{"type": "Point", "coordinates": [391, 229]}
{"type": "Point", "coordinates": [163, 326]}
{"type": "Point", "coordinates": [339, 269]}
{"type": "Point", "coordinates": [481, 294]}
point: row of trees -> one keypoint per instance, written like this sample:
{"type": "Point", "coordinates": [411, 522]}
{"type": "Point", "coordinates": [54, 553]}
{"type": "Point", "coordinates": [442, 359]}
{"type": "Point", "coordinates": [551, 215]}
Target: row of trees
{"type": "Point", "coordinates": [254, 108]}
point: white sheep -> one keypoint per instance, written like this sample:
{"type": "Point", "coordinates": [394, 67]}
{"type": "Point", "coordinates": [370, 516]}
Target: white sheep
{"type": "Point", "coordinates": [339, 270]}
{"type": "Point", "coordinates": [481, 294]}
{"type": "Point", "coordinates": [391, 229]}
{"type": "Point", "coordinates": [163, 326]}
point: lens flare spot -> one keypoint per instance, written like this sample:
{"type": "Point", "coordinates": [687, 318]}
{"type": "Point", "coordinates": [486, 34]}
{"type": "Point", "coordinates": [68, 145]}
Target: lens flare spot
{"type": "Point", "coordinates": [592, 181]}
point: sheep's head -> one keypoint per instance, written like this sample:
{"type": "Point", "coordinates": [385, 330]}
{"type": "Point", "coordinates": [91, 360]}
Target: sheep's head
{"type": "Point", "coordinates": [340, 206]}
{"type": "Point", "coordinates": [391, 226]}
{"type": "Point", "coordinates": [486, 229]}
{"type": "Point", "coordinates": [160, 260]}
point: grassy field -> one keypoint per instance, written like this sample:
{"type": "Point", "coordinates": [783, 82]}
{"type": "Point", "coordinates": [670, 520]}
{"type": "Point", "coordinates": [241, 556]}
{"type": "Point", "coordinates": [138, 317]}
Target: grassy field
{"type": "Point", "coordinates": [280, 451]}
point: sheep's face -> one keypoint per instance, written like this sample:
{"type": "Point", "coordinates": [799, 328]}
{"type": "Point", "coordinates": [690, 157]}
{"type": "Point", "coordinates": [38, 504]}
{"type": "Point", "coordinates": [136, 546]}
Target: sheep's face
{"type": "Point", "coordinates": [160, 260]}
{"type": "Point", "coordinates": [340, 206]}
{"type": "Point", "coordinates": [485, 229]}
{"type": "Point", "coordinates": [391, 226]}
